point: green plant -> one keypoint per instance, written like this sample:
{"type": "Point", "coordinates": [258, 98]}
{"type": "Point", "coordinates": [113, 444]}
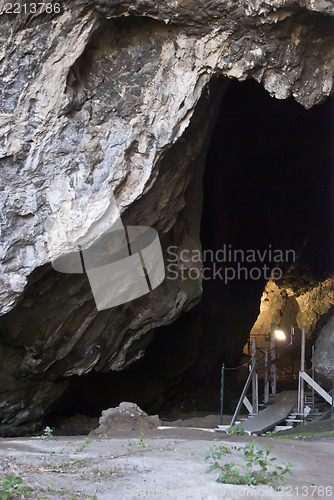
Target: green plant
{"type": "Point", "coordinates": [103, 473]}
{"type": "Point", "coordinates": [141, 442]}
{"type": "Point", "coordinates": [82, 446]}
{"type": "Point", "coordinates": [72, 464]}
{"type": "Point", "coordinates": [237, 430]}
{"type": "Point", "coordinates": [219, 451]}
{"type": "Point", "coordinates": [48, 432]}
{"type": "Point", "coordinates": [257, 469]}
{"type": "Point", "coordinates": [306, 435]}
{"type": "Point", "coordinates": [91, 497]}
{"type": "Point", "coordinates": [60, 491]}
{"type": "Point", "coordinates": [51, 488]}
{"type": "Point", "coordinates": [8, 486]}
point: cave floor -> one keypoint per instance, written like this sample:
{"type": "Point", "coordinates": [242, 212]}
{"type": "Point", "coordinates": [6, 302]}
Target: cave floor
{"type": "Point", "coordinates": [166, 463]}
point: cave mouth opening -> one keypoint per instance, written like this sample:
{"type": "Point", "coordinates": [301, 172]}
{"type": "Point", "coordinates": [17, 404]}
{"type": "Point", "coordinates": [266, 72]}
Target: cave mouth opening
{"type": "Point", "coordinates": [267, 186]}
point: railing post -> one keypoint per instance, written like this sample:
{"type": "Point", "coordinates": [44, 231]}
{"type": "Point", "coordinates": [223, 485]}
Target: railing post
{"type": "Point", "coordinates": [266, 388]}
{"type": "Point", "coordinates": [302, 369]}
{"type": "Point", "coordinates": [222, 394]}
{"type": "Point", "coordinates": [299, 385]}
{"type": "Point", "coordinates": [254, 384]}
{"type": "Point", "coordinates": [243, 394]}
{"type": "Point", "coordinates": [313, 376]}
{"type": "Point", "coordinates": [332, 406]}
{"type": "Point", "coordinates": [292, 347]}
{"type": "Point", "coordinates": [273, 358]}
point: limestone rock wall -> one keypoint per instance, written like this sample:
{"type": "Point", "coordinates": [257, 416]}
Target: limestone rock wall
{"type": "Point", "coordinates": [312, 308]}
{"type": "Point", "coordinates": [324, 354]}
{"type": "Point", "coordinates": [286, 308]}
{"type": "Point", "coordinates": [112, 97]}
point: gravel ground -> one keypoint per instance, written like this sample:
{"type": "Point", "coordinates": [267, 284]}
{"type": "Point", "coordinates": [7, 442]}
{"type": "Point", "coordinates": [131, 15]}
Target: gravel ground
{"type": "Point", "coordinates": [164, 463]}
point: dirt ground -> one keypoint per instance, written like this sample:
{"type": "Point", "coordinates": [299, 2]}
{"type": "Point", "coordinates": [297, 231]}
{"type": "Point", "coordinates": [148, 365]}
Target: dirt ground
{"type": "Point", "coordinates": [164, 463]}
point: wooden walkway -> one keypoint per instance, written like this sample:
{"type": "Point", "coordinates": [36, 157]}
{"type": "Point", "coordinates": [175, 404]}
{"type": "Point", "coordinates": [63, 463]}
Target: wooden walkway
{"type": "Point", "coordinates": [273, 415]}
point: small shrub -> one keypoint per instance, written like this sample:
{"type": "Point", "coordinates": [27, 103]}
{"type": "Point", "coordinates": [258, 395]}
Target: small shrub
{"type": "Point", "coordinates": [8, 486]}
{"type": "Point", "coordinates": [237, 430]}
{"type": "Point", "coordinates": [141, 442]}
{"type": "Point", "coordinates": [257, 469]}
{"type": "Point", "coordinates": [83, 445]}
{"type": "Point", "coordinates": [48, 432]}
{"type": "Point", "coordinates": [270, 433]}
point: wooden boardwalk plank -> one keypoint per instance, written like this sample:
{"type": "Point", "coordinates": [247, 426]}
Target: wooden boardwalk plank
{"type": "Point", "coordinates": [273, 415]}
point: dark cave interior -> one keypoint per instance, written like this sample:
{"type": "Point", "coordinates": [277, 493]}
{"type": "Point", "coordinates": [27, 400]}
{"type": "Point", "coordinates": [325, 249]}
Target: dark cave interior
{"type": "Point", "coordinates": [267, 184]}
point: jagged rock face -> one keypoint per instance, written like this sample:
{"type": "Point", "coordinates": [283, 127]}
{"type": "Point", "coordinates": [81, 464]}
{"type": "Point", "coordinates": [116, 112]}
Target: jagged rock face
{"type": "Point", "coordinates": [324, 354]}
{"type": "Point", "coordinates": [119, 98]}
{"type": "Point", "coordinates": [286, 308]}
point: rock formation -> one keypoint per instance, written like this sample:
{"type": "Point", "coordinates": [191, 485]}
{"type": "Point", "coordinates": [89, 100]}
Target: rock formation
{"type": "Point", "coordinates": [118, 98]}
{"type": "Point", "coordinates": [125, 417]}
{"type": "Point", "coordinates": [324, 354]}
{"type": "Point", "coordinates": [286, 308]}
{"type": "Point", "coordinates": [291, 306]}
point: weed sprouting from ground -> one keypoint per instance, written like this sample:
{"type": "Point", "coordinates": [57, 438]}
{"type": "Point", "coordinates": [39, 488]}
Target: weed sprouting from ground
{"type": "Point", "coordinates": [48, 432]}
{"type": "Point", "coordinates": [9, 486]}
{"type": "Point", "coordinates": [141, 443]}
{"type": "Point", "coordinates": [257, 467]}
{"type": "Point", "coordinates": [237, 430]}
{"type": "Point", "coordinates": [84, 445]}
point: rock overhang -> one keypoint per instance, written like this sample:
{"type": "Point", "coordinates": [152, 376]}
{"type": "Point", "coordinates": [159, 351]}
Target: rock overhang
{"type": "Point", "coordinates": [106, 99]}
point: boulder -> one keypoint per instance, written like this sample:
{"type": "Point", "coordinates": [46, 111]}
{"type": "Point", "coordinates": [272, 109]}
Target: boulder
{"type": "Point", "coordinates": [125, 417]}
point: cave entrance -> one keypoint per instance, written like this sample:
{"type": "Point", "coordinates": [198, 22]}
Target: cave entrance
{"type": "Point", "coordinates": [267, 185]}
{"type": "Point", "coordinates": [267, 192]}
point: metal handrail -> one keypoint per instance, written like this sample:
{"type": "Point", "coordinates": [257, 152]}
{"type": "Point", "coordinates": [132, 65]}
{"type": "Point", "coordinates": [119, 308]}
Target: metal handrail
{"type": "Point", "coordinates": [256, 367]}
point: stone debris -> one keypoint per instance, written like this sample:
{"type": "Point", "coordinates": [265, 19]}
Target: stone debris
{"type": "Point", "coordinates": [125, 417]}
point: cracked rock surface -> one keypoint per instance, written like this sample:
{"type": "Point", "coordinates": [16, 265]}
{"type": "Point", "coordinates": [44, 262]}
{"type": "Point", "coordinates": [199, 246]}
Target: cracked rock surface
{"type": "Point", "coordinates": [118, 98]}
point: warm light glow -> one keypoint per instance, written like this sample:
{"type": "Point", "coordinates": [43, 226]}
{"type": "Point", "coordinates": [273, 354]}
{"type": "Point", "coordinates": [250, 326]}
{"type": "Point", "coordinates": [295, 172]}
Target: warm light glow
{"type": "Point", "coordinates": [280, 335]}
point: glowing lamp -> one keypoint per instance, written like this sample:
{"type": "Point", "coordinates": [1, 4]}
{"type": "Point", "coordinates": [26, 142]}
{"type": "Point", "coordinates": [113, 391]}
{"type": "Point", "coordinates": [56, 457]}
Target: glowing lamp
{"type": "Point", "coordinates": [280, 335]}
